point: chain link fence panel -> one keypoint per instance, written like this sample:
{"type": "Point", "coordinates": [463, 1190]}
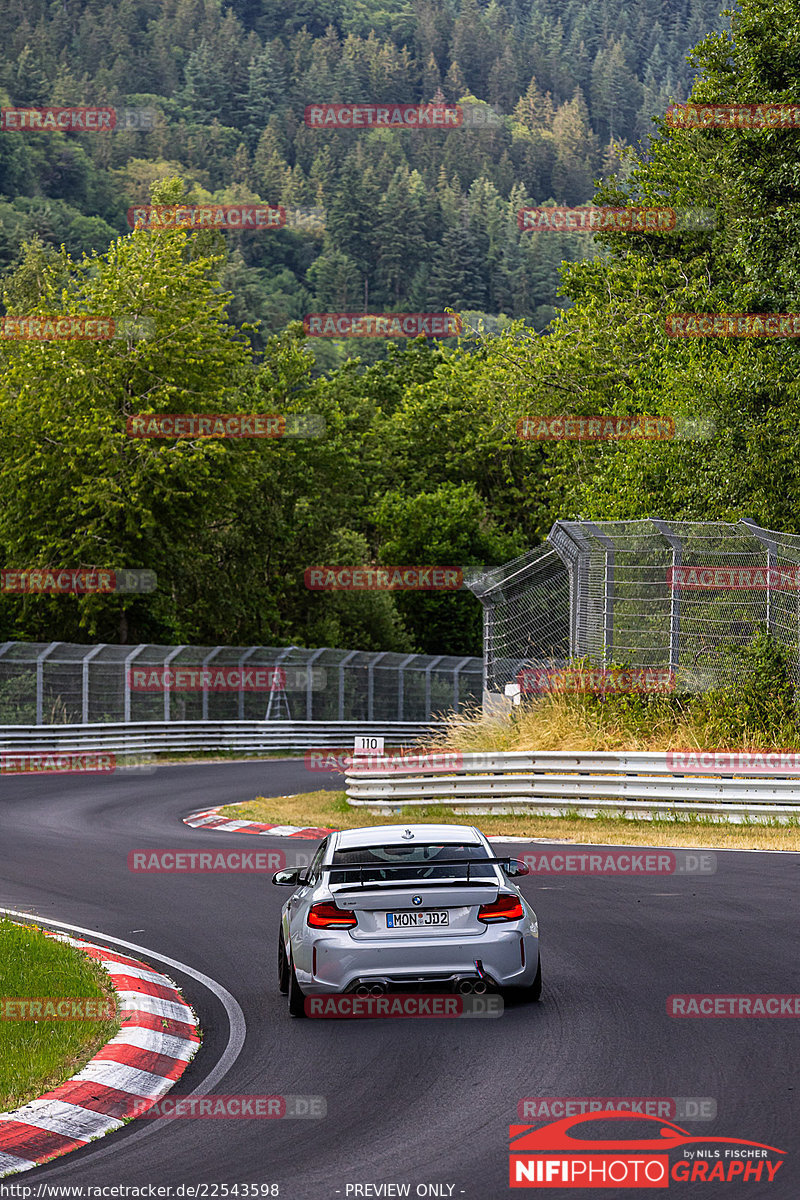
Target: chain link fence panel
{"type": "Point", "coordinates": [674, 597]}
{"type": "Point", "coordinates": [55, 683]}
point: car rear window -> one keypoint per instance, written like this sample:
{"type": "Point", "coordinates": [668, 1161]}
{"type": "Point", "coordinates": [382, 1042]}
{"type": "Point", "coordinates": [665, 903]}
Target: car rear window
{"type": "Point", "coordinates": [420, 861]}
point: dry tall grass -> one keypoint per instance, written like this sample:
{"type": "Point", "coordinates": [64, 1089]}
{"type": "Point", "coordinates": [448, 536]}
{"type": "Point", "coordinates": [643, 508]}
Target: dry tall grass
{"type": "Point", "coordinates": [559, 722]}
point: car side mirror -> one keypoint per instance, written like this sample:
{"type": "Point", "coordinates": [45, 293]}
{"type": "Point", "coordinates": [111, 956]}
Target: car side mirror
{"type": "Point", "coordinates": [514, 867]}
{"type": "Point", "coordinates": [289, 878]}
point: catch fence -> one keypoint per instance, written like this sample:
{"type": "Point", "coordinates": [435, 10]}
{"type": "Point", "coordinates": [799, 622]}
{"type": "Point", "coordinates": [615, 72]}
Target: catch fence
{"type": "Point", "coordinates": [678, 599]}
{"type": "Point", "coordinates": [59, 683]}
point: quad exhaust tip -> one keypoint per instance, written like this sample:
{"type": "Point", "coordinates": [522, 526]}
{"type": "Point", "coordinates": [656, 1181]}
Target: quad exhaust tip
{"type": "Point", "coordinates": [472, 986]}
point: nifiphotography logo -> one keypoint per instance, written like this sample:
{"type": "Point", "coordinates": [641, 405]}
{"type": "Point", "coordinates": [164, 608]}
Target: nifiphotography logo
{"type": "Point", "coordinates": [623, 1149]}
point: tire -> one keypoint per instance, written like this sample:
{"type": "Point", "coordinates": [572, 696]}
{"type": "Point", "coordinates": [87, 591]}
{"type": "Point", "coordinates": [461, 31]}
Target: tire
{"type": "Point", "coordinates": [283, 966]}
{"type": "Point", "coordinates": [296, 996]}
{"type": "Point", "coordinates": [532, 992]}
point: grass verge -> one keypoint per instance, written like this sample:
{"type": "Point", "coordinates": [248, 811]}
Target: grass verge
{"type": "Point", "coordinates": [332, 810]}
{"type": "Point", "coordinates": [36, 1056]}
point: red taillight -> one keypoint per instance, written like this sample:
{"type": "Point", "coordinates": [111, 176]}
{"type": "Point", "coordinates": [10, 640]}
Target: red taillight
{"type": "Point", "coordinates": [328, 916]}
{"type": "Point", "coordinates": [505, 908]}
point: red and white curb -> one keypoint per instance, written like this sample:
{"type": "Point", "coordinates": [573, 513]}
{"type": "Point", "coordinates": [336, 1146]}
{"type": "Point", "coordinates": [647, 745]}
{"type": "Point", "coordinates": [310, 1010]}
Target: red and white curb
{"type": "Point", "coordinates": [210, 819]}
{"type": "Point", "coordinates": [153, 1048]}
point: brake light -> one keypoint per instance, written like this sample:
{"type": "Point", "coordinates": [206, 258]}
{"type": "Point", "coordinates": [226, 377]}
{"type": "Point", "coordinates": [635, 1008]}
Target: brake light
{"type": "Point", "coordinates": [327, 916]}
{"type": "Point", "coordinates": [505, 908]}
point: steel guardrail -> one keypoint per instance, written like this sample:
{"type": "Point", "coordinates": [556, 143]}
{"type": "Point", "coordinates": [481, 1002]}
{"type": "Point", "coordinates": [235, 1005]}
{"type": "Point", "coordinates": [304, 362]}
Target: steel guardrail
{"type": "Point", "coordinates": [557, 782]}
{"type": "Point", "coordinates": [153, 738]}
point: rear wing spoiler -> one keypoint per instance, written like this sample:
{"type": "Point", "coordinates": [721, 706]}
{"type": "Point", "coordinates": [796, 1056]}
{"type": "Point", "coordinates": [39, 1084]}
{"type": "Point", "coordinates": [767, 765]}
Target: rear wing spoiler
{"type": "Point", "coordinates": [433, 862]}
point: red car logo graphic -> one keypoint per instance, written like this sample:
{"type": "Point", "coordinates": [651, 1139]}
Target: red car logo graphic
{"type": "Point", "coordinates": [656, 1135]}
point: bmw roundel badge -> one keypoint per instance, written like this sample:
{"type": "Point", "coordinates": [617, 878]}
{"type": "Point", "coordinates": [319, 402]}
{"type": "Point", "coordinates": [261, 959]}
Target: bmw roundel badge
{"type": "Point", "coordinates": [416, 900]}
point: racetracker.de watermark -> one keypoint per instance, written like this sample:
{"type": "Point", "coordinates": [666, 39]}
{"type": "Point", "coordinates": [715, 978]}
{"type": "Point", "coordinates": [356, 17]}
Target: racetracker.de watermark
{"type": "Point", "coordinates": [69, 762]}
{"type": "Point", "coordinates": [621, 862]}
{"type": "Point", "coordinates": [72, 762]}
{"type": "Point", "coordinates": [672, 1108]}
{"type": "Point", "coordinates": [725, 325]}
{"type": "Point", "coordinates": [388, 325]}
{"type": "Point", "coordinates": [603, 680]}
{"type": "Point", "coordinates": [79, 119]}
{"type": "Point", "coordinates": [412, 761]}
{"type": "Point", "coordinates": [598, 219]}
{"type": "Point", "coordinates": [80, 581]}
{"type": "Point", "coordinates": [57, 1008]}
{"type": "Point", "coordinates": [55, 327]}
{"type": "Point", "coordinates": [713, 578]}
{"type": "Point", "coordinates": [590, 219]}
{"type": "Point", "coordinates": [733, 116]}
{"type": "Point", "coordinates": [58, 120]}
{"type": "Point", "coordinates": [383, 116]}
{"type": "Point", "coordinates": [732, 1004]}
{"type": "Point", "coordinates": [226, 679]}
{"type": "Point", "coordinates": [44, 327]}
{"type": "Point", "coordinates": [224, 425]}
{"type": "Point", "coordinates": [566, 427]}
{"type": "Point", "coordinates": [159, 217]}
{"type": "Point", "coordinates": [734, 762]}
{"type": "Point", "coordinates": [404, 1005]}
{"type": "Point", "coordinates": [228, 1108]}
{"type": "Point", "coordinates": [383, 579]}
{"type": "Point", "coordinates": [200, 862]}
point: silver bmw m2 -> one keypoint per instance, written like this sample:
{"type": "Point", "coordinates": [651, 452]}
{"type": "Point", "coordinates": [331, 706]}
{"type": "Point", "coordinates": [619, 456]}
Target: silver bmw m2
{"type": "Point", "coordinates": [394, 907]}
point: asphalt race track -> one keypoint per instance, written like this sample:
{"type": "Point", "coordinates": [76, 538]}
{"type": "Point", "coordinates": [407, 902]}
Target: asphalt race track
{"type": "Point", "coordinates": [412, 1101]}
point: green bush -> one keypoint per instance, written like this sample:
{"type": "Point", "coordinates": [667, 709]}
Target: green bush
{"type": "Point", "coordinates": [762, 702]}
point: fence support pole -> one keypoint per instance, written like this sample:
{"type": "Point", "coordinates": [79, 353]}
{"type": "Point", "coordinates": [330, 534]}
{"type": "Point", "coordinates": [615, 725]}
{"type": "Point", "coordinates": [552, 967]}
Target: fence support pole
{"type": "Point", "coordinates": [401, 685]}
{"type": "Point", "coordinates": [608, 591]}
{"type": "Point", "coordinates": [40, 680]}
{"type": "Point", "coordinates": [434, 662]}
{"type": "Point", "coordinates": [371, 684]}
{"type": "Point", "coordinates": [342, 664]}
{"type": "Point", "coordinates": [674, 602]}
{"type": "Point", "coordinates": [488, 644]}
{"type": "Point", "coordinates": [208, 658]}
{"type": "Point", "coordinates": [457, 669]}
{"type": "Point", "coordinates": [126, 702]}
{"type": "Point", "coordinates": [167, 692]}
{"type": "Point", "coordinates": [772, 560]}
{"type": "Point", "coordinates": [242, 660]}
{"type": "Point", "coordinates": [85, 682]}
{"type": "Point", "coordinates": [309, 680]}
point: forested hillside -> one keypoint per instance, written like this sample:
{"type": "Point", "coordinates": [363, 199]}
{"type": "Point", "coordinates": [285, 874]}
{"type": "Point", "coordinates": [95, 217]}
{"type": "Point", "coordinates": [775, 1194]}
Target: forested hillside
{"type": "Point", "coordinates": [413, 220]}
{"type": "Point", "coordinates": [420, 461]}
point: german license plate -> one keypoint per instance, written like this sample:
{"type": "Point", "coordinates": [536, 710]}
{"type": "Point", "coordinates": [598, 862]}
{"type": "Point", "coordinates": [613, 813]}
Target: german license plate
{"type": "Point", "coordinates": [416, 920]}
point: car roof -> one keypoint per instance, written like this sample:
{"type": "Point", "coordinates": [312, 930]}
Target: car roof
{"type": "Point", "coordinates": [392, 835]}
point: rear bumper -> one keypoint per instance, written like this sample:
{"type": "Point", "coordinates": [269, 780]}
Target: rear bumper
{"type": "Point", "coordinates": [340, 963]}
